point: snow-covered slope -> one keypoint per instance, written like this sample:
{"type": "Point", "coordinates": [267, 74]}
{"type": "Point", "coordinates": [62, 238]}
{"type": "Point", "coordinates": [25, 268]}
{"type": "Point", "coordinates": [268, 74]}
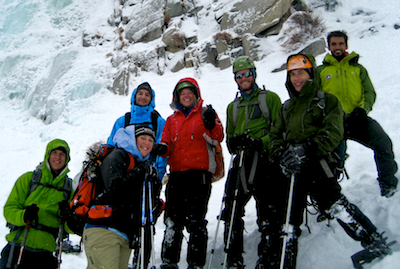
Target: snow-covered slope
{"type": "Point", "coordinates": [29, 33]}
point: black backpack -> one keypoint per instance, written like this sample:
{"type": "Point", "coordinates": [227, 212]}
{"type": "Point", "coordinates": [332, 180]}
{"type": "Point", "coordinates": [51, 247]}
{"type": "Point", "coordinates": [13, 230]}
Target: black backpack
{"type": "Point", "coordinates": [154, 116]}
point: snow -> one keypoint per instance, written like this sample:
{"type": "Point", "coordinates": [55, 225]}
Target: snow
{"type": "Point", "coordinates": [39, 38]}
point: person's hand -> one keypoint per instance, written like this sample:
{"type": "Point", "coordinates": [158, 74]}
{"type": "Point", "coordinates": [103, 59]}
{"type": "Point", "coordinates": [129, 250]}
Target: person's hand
{"type": "Point", "coordinates": [143, 171]}
{"type": "Point", "coordinates": [209, 116]}
{"type": "Point", "coordinates": [356, 118]}
{"type": "Point", "coordinates": [31, 214]}
{"type": "Point", "coordinates": [294, 159]}
{"type": "Point", "coordinates": [65, 210]}
{"type": "Point", "coordinates": [252, 143]}
{"type": "Point", "coordinates": [159, 149]}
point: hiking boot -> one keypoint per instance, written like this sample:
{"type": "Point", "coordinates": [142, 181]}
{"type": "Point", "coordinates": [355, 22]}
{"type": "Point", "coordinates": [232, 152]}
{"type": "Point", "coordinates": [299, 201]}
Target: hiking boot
{"type": "Point", "coordinates": [169, 266]}
{"type": "Point", "coordinates": [377, 245]}
{"type": "Point", "coordinates": [388, 186]}
{"type": "Point", "coordinates": [235, 265]}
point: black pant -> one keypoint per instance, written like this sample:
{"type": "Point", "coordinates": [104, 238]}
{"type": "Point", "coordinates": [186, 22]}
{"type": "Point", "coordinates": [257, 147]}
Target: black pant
{"type": "Point", "coordinates": [267, 192]}
{"type": "Point", "coordinates": [187, 196]}
{"type": "Point", "coordinates": [30, 259]}
{"type": "Point", "coordinates": [371, 135]}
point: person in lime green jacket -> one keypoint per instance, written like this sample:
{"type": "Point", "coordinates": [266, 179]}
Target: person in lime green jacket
{"type": "Point", "coordinates": [36, 212]}
{"type": "Point", "coordinates": [342, 76]}
{"type": "Point", "coordinates": [249, 118]}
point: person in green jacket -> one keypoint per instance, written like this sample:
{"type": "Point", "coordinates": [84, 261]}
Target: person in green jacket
{"type": "Point", "coordinates": [303, 137]}
{"type": "Point", "coordinates": [344, 77]}
{"type": "Point", "coordinates": [248, 124]}
{"type": "Point", "coordinates": [36, 213]}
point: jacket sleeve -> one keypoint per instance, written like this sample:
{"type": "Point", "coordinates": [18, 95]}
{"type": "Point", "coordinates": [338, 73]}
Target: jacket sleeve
{"type": "Point", "coordinates": [274, 106]}
{"type": "Point", "coordinates": [119, 123]}
{"type": "Point", "coordinates": [331, 132]}
{"type": "Point", "coordinates": [14, 209]}
{"type": "Point", "coordinates": [217, 133]}
{"type": "Point", "coordinates": [277, 143]}
{"type": "Point", "coordinates": [369, 91]}
{"type": "Point", "coordinates": [166, 137]}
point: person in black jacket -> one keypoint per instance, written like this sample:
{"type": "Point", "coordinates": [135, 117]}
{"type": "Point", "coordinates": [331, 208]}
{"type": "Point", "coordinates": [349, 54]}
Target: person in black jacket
{"type": "Point", "coordinates": [108, 240]}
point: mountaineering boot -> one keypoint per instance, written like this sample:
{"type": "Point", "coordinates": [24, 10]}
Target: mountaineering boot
{"type": "Point", "coordinates": [388, 185]}
{"type": "Point", "coordinates": [169, 266]}
{"type": "Point", "coordinates": [375, 246]}
{"type": "Point", "coordinates": [235, 265]}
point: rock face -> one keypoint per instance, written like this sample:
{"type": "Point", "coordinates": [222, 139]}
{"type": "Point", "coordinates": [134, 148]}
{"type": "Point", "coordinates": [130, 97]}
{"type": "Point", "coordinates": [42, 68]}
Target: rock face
{"type": "Point", "coordinates": [239, 27]}
{"type": "Point", "coordinates": [254, 16]}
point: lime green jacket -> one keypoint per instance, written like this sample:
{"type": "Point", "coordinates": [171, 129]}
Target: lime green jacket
{"type": "Point", "coordinates": [253, 122]}
{"type": "Point", "coordinates": [348, 81]}
{"type": "Point", "coordinates": [45, 198]}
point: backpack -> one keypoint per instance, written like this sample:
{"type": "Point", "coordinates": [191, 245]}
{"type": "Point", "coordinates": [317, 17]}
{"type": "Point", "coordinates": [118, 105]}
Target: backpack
{"type": "Point", "coordinates": [216, 148]}
{"type": "Point", "coordinates": [35, 182]}
{"type": "Point", "coordinates": [262, 104]}
{"type": "Point", "coordinates": [154, 116]}
{"type": "Point", "coordinates": [83, 203]}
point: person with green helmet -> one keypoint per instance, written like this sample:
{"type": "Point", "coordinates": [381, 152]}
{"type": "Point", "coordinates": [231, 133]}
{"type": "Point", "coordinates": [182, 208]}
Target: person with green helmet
{"type": "Point", "coordinates": [304, 136]}
{"type": "Point", "coordinates": [248, 125]}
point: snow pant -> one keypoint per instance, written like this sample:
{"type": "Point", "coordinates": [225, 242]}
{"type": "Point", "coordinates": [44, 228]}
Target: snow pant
{"type": "Point", "coordinates": [326, 193]}
{"type": "Point", "coordinates": [266, 195]}
{"type": "Point", "coordinates": [105, 249]}
{"type": "Point", "coordinates": [31, 258]}
{"type": "Point", "coordinates": [187, 195]}
{"type": "Point", "coordinates": [371, 135]}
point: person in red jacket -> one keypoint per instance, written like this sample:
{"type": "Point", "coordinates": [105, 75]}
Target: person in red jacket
{"type": "Point", "coordinates": [186, 141]}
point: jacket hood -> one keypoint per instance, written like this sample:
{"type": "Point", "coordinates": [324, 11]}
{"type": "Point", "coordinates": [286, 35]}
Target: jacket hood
{"type": "Point", "coordinates": [175, 98]}
{"type": "Point", "coordinates": [351, 58]}
{"type": "Point", "coordinates": [123, 139]}
{"type": "Point", "coordinates": [311, 86]}
{"type": "Point", "coordinates": [52, 145]}
{"type": "Point", "coordinates": [140, 114]}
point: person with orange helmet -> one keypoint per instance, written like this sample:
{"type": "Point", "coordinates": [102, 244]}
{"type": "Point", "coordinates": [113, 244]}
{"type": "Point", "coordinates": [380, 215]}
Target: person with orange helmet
{"type": "Point", "coordinates": [304, 136]}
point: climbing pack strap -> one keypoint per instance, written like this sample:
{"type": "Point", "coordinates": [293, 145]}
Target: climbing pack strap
{"type": "Point", "coordinates": [262, 104]}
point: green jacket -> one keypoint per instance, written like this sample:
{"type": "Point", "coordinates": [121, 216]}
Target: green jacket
{"type": "Point", "coordinates": [253, 122]}
{"type": "Point", "coordinates": [45, 198]}
{"type": "Point", "coordinates": [305, 120]}
{"type": "Point", "coordinates": [348, 81]}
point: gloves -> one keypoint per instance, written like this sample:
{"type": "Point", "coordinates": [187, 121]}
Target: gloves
{"type": "Point", "coordinates": [143, 171]}
{"type": "Point", "coordinates": [294, 159]}
{"type": "Point", "coordinates": [244, 141]}
{"type": "Point", "coordinates": [159, 149]}
{"type": "Point", "coordinates": [209, 117]}
{"type": "Point", "coordinates": [356, 118]}
{"type": "Point", "coordinates": [31, 214]}
{"type": "Point", "coordinates": [75, 222]}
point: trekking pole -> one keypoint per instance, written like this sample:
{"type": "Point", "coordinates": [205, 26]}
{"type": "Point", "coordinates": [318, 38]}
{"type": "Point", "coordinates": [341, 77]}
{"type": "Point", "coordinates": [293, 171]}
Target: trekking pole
{"type": "Point", "coordinates": [60, 243]}
{"type": "Point", "coordinates": [286, 227]}
{"type": "Point", "coordinates": [228, 241]}
{"type": "Point", "coordinates": [151, 225]}
{"type": "Point", "coordinates": [219, 219]}
{"type": "Point", "coordinates": [23, 243]}
{"type": "Point", "coordinates": [143, 224]}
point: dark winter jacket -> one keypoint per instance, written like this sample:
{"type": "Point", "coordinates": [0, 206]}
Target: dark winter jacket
{"type": "Point", "coordinates": [187, 137]}
{"type": "Point", "coordinates": [45, 198]}
{"type": "Point", "coordinates": [306, 121]}
{"type": "Point", "coordinates": [252, 121]}
{"type": "Point", "coordinates": [348, 81]}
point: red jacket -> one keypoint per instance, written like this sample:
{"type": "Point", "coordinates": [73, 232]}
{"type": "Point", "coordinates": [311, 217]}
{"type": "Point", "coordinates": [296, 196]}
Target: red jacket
{"type": "Point", "coordinates": [186, 137]}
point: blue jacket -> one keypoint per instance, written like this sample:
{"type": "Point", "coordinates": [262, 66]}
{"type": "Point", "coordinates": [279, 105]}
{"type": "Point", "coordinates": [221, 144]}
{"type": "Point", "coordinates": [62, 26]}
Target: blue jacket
{"type": "Point", "coordinates": [140, 115]}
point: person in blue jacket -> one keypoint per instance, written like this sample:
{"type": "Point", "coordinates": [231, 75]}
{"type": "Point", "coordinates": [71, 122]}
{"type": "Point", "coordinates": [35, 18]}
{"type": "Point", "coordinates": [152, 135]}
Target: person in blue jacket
{"type": "Point", "coordinates": [143, 112]}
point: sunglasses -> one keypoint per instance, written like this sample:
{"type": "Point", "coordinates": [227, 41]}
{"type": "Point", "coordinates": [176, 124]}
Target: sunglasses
{"type": "Point", "coordinates": [246, 74]}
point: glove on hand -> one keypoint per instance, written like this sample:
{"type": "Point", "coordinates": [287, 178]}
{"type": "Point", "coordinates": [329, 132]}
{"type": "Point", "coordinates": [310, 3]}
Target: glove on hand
{"type": "Point", "coordinates": [159, 149]}
{"type": "Point", "coordinates": [252, 143]}
{"type": "Point", "coordinates": [65, 210]}
{"type": "Point", "coordinates": [356, 118]}
{"type": "Point", "coordinates": [75, 222]}
{"type": "Point", "coordinates": [31, 214]}
{"type": "Point", "coordinates": [143, 171]}
{"type": "Point", "coordinates": [294, 159]}
{"type": "Point", "coordinates": [209, 117]}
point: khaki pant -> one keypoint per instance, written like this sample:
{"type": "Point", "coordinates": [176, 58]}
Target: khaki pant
{"type": "Point", "coordinates": [105, 249]}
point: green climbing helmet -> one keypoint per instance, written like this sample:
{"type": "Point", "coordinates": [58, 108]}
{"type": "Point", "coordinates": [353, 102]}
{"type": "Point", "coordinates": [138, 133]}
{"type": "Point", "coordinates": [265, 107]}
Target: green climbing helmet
{"type": "Point", "coordinates": [243, 62]}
